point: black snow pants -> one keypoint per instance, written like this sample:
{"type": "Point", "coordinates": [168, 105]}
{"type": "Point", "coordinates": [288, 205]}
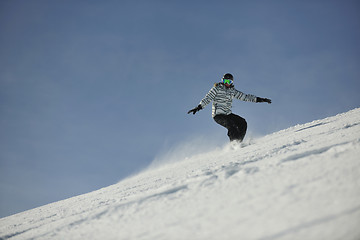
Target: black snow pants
{"type": "Point", "coordinates": [235, 124]}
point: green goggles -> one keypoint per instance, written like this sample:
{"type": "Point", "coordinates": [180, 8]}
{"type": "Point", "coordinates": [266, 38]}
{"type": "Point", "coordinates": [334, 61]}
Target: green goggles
{"type": "Point", "coordinates": [228, 81]}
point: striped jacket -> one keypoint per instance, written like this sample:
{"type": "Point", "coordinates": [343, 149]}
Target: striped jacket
{"type": "Point", "coordinates": [222, 98]}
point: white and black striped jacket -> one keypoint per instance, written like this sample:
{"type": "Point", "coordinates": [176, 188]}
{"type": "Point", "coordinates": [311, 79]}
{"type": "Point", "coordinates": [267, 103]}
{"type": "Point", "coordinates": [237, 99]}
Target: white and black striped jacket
{"type": "Point", "coordinates": [222, 98]}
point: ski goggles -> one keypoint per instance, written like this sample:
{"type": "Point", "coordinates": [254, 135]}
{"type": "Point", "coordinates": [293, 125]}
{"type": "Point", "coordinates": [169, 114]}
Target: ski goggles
{"type": "Point", "coordinates": [228, 81]}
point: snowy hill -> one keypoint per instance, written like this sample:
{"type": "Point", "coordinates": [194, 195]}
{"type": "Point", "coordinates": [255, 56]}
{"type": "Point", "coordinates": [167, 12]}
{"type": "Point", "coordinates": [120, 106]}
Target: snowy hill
{"type": "Point", "coordinates": [298, 183]}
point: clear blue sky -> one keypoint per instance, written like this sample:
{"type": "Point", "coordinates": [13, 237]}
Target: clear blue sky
{"type": "Point", "coordinates": [92, 91]}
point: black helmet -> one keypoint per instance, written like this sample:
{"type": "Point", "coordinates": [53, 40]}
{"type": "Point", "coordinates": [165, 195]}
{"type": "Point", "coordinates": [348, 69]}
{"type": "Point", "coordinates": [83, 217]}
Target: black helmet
{"type": "Point", "coordinates": [228, 76]}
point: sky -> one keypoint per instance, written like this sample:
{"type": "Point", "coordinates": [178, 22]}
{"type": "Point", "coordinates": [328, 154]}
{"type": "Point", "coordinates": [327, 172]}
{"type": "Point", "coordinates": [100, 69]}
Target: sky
{"type": "Point", "coordinates": [93, 91]}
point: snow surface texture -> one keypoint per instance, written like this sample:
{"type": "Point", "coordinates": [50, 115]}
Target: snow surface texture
{"type": "Point", "coordinates": [298, 183]}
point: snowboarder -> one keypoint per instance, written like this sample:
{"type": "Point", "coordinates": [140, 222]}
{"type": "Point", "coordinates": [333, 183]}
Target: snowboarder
{"type": "Point", "coordinates": [222, 95]}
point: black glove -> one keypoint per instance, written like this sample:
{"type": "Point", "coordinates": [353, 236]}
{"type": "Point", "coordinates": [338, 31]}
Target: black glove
{"type": "Point", "coordinates": [198, 108]}
{"type": "Point", "coordinates": [259, 99]}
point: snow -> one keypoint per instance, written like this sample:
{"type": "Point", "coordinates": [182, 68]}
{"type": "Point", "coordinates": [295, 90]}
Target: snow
{"type": "Point", "coordinates": [299, 183]}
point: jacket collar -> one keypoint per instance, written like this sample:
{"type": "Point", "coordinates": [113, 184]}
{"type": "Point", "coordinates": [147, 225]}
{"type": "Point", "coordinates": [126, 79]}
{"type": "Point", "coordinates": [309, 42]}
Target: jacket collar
{"type": "Point", "coordinates": [223, 85]}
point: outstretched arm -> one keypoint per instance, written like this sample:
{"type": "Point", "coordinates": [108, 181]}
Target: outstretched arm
{"type": "Point", "coordinates": [205, 101]}
{"type": "Point", "coordinates": [209, 96]}
{"type": "Point", "coordinates": [245, 97]}
{"type": "Point", "coordinates": [250, 98]}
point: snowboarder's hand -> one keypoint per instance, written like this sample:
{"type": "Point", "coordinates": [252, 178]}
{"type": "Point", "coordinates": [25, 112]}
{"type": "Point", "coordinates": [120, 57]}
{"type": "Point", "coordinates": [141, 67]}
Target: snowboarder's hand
{"type": "Point", "coordinates": [259, 99]}
{"type": "Point", "coordinates": [198, 108]}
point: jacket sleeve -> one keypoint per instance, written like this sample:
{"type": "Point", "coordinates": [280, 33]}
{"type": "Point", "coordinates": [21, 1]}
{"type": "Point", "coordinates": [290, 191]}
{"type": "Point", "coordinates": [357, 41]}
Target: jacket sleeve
{"type": "Point", "coordinates": [209, 97]}
{"type": "Point", "coordinates": [244, 97]}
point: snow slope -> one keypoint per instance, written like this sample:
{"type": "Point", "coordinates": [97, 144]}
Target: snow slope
{"type": "Point", "coordinates": [298, 183]}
